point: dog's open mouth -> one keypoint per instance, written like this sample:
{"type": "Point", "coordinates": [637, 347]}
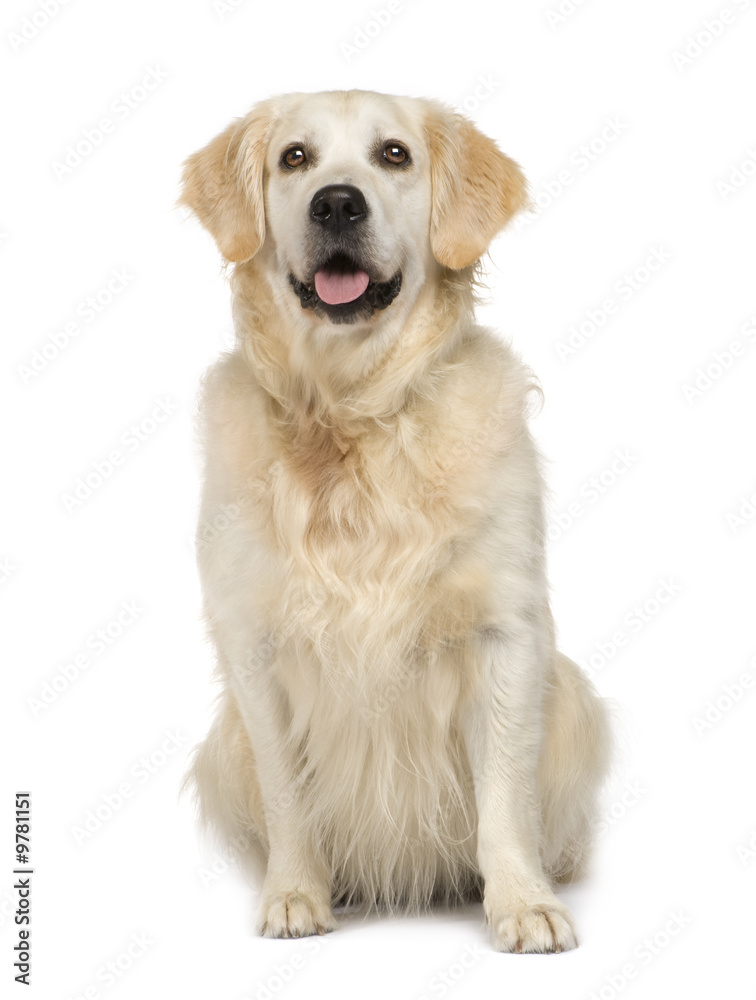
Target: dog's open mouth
{"type": "Point", "coordinates": [340, 281]}
{"type": "Point", "coordinates": [344, 292]}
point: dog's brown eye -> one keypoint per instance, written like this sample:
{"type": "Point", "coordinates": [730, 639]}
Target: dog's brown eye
{"type": "Point", "coordinates": [395, 153]}
{"type": "Point", "coordinates": [294, 157]}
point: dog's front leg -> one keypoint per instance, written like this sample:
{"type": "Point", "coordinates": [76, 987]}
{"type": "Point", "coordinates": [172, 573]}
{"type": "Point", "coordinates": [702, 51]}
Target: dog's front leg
{"type": "Point", "coordinates": [503, 741]}
{"type": "Point", "coordinates": [296, 898]}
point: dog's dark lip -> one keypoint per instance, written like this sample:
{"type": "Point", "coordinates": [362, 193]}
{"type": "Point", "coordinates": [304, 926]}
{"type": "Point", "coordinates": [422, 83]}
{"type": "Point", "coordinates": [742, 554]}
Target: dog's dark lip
{"type": "Point", "coordinates": [378, 294]}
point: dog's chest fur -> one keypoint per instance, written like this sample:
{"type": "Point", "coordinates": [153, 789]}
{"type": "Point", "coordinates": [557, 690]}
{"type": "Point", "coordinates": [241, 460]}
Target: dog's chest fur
{"type": "Point", "coordinates": [370, 524]}
{"type": "Point", "coordinates": [366, 535]}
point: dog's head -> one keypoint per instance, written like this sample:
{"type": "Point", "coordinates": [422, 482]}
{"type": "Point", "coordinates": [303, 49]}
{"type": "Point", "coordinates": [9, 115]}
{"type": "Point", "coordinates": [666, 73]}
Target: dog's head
{"type": "Point", "coordinates": [351, 198]}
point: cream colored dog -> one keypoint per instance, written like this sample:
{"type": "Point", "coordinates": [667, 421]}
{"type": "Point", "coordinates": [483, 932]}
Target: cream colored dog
{"type": "Point", "coordinates": [396, 725]}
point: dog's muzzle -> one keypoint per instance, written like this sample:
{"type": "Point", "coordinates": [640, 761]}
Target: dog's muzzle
{"type": "Point", "coordinates": [341, 286]}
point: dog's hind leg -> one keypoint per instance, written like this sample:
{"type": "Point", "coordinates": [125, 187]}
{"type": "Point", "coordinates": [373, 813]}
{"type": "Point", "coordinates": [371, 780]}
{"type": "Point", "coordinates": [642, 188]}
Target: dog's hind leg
{"type": "Point", "coordinates": [223, 777]}
{"type": "Point", "coordinates": [574, 761]}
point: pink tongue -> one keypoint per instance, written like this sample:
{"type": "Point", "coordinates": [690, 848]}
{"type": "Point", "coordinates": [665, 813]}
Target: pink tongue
{"type": "Point", "coordinates": [335, 287]}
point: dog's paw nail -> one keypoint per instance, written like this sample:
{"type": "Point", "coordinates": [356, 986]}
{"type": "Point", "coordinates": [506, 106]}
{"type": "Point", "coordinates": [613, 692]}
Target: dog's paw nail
{"type": "Point", "coordinates": [533, 929]}
{"type": "Point", "coordinates": [296, 914]}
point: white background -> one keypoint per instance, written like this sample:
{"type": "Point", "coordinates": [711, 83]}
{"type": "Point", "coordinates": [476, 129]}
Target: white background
{"type": "Point", "coordinates": [659, 535]}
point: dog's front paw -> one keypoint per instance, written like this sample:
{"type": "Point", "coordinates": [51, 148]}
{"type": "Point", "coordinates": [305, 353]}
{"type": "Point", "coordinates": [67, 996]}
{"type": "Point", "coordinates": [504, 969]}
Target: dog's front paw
{"type": "Point", "coordinates": [295, 914]}
{"type": "Point", "coordinates": [542, 929]}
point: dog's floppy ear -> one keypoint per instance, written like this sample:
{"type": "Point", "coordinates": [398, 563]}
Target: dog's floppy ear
{"type": "Point", "coordinates": [475, 188]}
{"type": "Point", "coordinates": [223, 185]}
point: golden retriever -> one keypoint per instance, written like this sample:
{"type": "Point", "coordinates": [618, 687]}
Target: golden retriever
{"type": "Point", "coordinates": [395, 726]}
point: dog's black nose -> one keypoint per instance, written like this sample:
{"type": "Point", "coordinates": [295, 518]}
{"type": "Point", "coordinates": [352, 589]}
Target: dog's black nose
{"type": "Point", "coordinates": [337, 206]}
